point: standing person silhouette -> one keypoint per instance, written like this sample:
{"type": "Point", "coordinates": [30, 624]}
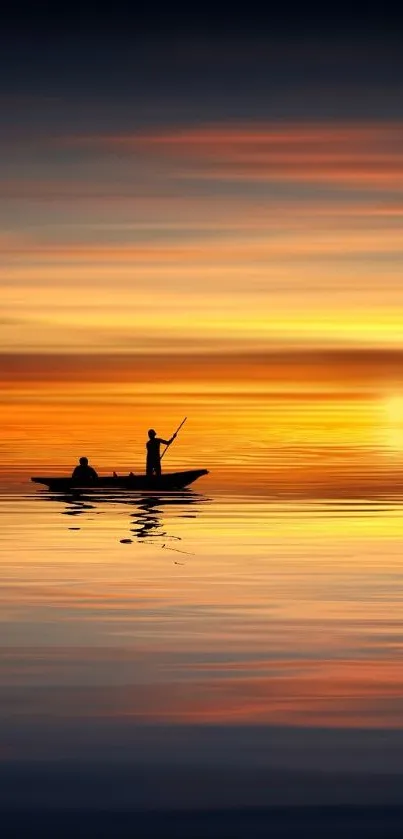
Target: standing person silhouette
{"type": "Point", "coordinates": [153, 462]}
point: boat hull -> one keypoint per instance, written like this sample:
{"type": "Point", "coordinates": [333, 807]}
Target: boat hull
{"type": "Point", "coordinates": [170, 481]}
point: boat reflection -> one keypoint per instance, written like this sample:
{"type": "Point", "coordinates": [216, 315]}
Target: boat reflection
{"type": "Point", "coordinates": [147, 521]}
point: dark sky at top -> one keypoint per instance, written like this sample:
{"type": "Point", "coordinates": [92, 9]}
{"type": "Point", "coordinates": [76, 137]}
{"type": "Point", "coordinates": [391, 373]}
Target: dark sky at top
{"type": "Point", "coordinates": [48, 16]}
{"type": "Point", "coordinates": [286, 62]}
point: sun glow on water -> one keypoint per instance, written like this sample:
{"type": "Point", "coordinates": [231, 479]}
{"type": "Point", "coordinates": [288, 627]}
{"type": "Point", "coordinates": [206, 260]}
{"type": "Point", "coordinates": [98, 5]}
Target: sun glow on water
{"type": "Point", "coordinates": [393, 409]}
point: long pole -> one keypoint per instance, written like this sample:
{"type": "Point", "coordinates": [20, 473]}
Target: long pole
{"type": "Point", "coordinates": [176, 432]}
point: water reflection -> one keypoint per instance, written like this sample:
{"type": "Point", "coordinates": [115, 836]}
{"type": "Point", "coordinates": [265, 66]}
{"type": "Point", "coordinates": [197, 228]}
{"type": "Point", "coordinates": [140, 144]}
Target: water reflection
{"type": "Point", "coordinates": [148, 522]}
{"type": "Point", "coordinates": [288, 613]}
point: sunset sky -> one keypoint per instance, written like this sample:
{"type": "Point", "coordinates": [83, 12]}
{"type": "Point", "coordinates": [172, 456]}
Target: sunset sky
{"type": "Point", "coordinates": [201, 222]}
{"type": "Point", "coordinates": [192, 210]}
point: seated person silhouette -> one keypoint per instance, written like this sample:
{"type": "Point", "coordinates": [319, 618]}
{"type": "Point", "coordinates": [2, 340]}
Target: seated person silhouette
{"type": "Point", "coordinates": [153, 462]}
{"type": "Point", "coordinates": [84, 475]}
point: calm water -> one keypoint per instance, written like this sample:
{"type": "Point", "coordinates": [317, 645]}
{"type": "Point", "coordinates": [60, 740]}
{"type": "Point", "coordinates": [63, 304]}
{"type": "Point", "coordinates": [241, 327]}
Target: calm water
{"type": "Point", "coordinates": [205, 631]}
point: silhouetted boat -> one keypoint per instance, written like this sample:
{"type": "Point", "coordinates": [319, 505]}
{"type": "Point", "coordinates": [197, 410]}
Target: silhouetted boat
{"type": "Point", "coordinates": [165, 483]}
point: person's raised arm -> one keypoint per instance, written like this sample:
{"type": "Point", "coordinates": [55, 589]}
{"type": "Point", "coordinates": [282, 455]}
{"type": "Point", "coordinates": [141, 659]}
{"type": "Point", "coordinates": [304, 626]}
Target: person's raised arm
{"type": "Point", "coordinates": [168, 442]}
